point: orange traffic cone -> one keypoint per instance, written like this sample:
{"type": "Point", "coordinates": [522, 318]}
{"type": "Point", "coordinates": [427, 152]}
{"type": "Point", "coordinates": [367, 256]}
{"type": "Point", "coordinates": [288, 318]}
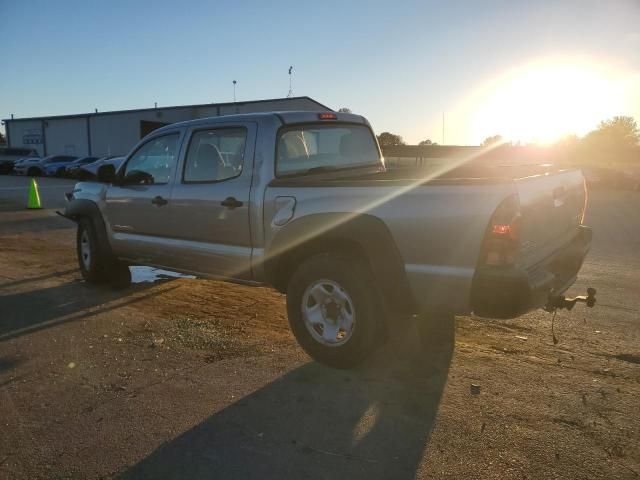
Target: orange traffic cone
{"type": "Point", "coordinates": [34, 195]}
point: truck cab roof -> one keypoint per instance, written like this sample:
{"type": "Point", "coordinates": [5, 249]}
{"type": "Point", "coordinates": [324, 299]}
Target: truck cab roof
{"type": "Point", "coordinates": [284, 118]}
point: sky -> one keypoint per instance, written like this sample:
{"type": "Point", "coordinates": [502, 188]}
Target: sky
{"type": "Point", "coordinates": [531, 71]}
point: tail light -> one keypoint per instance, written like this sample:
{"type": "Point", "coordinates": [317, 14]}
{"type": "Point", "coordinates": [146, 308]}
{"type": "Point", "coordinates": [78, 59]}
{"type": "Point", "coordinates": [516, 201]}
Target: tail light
{"type": "Point", "coordinates": [502, 239]}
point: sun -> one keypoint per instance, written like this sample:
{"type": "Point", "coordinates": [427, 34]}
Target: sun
{"type": "Point", "coordinates": [546, 100]}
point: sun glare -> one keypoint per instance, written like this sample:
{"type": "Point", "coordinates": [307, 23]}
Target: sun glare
{"type": "Point", "coordinates": [545, 101]}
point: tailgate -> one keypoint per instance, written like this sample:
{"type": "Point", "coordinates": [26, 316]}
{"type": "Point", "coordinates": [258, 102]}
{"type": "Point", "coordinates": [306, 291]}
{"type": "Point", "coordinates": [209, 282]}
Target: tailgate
{"type": "Point", "coordinates": [552, 206]}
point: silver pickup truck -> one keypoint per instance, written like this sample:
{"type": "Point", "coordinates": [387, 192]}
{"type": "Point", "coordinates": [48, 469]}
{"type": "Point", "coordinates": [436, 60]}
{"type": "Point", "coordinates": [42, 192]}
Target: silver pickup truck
{"type": "Point", "coordinates": [302, 202]}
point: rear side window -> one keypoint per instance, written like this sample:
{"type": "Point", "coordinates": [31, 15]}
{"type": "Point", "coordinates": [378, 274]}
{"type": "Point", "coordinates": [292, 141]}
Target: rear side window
{"type": "Point", "coordinates": [324, 147]}
{"type": "Point", "coordinates": [215, 155]}
{"type": "Point", "coordinates": [153, 162]}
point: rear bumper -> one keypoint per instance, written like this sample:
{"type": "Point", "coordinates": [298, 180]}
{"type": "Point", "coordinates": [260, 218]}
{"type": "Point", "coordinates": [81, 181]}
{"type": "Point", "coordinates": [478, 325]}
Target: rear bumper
{"type": "Point", "coordinates": [508, 292]}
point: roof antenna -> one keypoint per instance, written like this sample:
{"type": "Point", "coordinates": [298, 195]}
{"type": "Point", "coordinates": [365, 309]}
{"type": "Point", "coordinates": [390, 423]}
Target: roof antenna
{"type": "Point", "coordinates": [290, 94]}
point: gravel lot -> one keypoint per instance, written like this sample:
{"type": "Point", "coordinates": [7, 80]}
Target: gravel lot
{"type": "Point", "coordinates": [188, 378]}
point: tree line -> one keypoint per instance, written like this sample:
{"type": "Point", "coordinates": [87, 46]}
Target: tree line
{"type": "Point", "coordinates": [617, 133]}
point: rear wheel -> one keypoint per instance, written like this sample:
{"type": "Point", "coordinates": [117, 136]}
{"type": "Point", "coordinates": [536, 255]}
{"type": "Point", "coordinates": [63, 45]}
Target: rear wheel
{"type": "Point", "coordinates": [332, 309]}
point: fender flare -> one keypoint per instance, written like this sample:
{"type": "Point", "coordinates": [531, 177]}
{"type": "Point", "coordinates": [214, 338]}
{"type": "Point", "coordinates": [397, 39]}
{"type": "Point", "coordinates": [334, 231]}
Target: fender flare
{"type": "Point", "coordinates": [316, 233]}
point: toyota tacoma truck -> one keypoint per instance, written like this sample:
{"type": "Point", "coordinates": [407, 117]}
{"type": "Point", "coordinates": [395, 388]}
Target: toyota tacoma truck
{"type": "Point", "coordinates": [303, 202]}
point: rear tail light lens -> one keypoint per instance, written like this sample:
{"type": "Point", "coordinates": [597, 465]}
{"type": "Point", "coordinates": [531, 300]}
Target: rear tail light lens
{"type": "Point", "coordinates": [501, 229]}
{"type": "Point", "coordinates": [501, 243]}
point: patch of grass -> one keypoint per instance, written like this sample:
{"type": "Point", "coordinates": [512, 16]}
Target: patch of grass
{"type": "Point", "coordinates": [212, 335]}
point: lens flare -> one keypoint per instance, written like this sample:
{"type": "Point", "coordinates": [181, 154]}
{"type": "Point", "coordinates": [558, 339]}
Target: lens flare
{"type": "Point", "coordinates": [543, 101]}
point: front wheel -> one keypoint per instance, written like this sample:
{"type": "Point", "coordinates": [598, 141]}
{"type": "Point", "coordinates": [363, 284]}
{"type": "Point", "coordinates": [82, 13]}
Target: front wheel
{"type": "Point", "coordinates": [332, 309]}
{"type": "Point", "coordinates": [91, 265]}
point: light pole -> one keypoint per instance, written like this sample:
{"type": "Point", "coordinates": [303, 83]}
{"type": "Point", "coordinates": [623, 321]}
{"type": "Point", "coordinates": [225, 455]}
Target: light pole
{"type": "Point", "coordinates": [234, 91]}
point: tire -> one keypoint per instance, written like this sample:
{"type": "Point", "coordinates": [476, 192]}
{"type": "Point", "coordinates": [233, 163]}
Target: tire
{"type": "Point", "coordinates": [60, 172]}
{"type": "Point", "coordinates": [347, 317]}
{"type": "Point", "coordinates": [33, 172]}
{"type": "Point", "coordinates": [91, 264]}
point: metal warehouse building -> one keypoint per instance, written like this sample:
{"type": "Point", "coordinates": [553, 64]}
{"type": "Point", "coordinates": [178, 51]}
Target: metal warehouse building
{"type": "Point", "coordinates": [115, 133]}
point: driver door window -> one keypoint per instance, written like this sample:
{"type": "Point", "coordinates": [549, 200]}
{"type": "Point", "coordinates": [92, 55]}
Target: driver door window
{"type": "Point", "coordinates": [139, 203]}
{"type": "Point", "coordinates": [153, 163]}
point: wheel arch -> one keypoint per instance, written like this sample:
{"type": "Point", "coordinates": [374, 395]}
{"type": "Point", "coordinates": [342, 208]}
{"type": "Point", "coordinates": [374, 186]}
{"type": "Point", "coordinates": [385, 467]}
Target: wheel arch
{"type": "Point", "coordinates": [362, 236]}
{"type": "Point", "coordinates": [82, 208]}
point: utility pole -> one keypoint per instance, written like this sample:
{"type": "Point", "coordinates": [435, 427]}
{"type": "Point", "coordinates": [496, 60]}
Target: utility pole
{"type": "Point", "coordinates": [234, 91]}
{"type": "Point", "coordinates": [290, 94]}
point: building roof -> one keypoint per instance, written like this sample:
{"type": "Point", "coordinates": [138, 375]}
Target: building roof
{"type": "Point", "coordinates": [173, 107]}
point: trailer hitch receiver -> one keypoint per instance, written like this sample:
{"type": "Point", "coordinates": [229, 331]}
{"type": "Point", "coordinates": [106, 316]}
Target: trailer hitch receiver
{"type": "Point", "coordinates": [559, 302]}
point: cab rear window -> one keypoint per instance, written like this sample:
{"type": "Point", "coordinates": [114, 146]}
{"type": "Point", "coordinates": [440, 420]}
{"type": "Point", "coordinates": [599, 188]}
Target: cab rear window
{"type": "Point", "coordinates": [317, 147]}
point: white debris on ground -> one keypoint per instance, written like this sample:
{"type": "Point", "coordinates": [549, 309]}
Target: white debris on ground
{"type": "Point", "coordinates": [150, 274]}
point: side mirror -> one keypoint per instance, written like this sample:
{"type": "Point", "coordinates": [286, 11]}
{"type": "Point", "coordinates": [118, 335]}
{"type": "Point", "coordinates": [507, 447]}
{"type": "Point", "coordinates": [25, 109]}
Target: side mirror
{"type": "Point", "coordinates": [106, 174]}
{"type": "Point", "coordinates": [137, 177]}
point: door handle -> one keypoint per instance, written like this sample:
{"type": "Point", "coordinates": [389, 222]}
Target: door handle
{"type": "Point", "coordinates": [159, 201]}
{"type": "Point", "coordinates": [231, 203]}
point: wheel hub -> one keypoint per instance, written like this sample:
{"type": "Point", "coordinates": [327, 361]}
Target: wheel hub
{"type": "Point", "coordinates": [328, 312]}
{"type": "Point", "coordinates": [331, 311]}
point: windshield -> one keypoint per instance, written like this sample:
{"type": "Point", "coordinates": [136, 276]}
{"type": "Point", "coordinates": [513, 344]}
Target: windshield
{"type": "Point", "coordinates": [303, 149]}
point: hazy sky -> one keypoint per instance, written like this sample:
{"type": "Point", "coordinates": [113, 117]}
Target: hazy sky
{"type": "Point", "coordinates": [491, 66]}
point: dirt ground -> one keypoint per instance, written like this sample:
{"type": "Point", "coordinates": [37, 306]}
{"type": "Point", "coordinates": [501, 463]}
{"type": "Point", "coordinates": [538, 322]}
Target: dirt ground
{"type": "Point", "coordinates": [189, 378]}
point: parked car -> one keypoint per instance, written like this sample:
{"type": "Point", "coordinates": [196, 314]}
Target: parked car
{"type": "Point", "coordinates": [302, 202]}
{"type": "Point", "coordinates": [28, 166]}
{"type": "Point", "coordinates": [55, 166]}
{"type": "Point", "coordinates": [35, 167]}
{"type": "Point", "coordinates": [72, 169]}
{"type": "Point", "coordinates": [23, 160]}
{"type": "Point", "coordinates": [606, 177]}
{"type": "Point", "coordinates": [9, 156]}
{"type": "Point", "coordinates": [90, 171]}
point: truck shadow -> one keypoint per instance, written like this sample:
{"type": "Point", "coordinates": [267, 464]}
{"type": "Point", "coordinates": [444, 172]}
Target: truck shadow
{"type": "Point", "coordinates": [34, 310]}
{"type": "Point", "coordinates": [315, 422]}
